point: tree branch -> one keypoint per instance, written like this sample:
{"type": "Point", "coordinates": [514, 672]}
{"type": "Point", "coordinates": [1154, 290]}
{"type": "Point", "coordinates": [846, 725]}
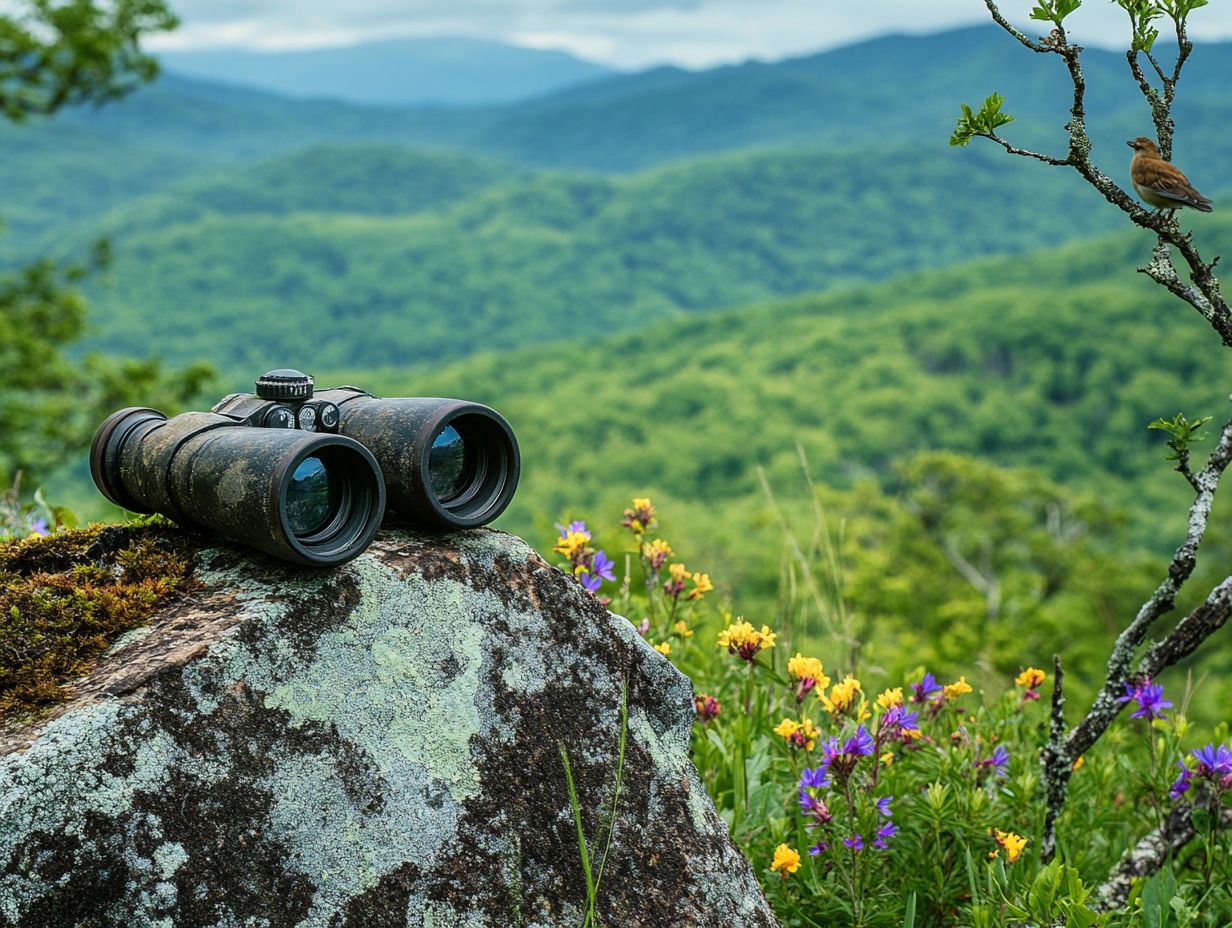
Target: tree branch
{"type": "Point", "coordinates": [1150, 854]}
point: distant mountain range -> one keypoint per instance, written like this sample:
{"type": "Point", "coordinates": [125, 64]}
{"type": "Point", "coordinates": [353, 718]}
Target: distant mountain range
{"type": "Point", "coordinates": [397, 72]}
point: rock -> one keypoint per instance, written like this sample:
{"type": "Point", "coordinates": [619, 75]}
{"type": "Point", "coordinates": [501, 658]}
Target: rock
{"type": "Point", "coordinates": [375, 745]}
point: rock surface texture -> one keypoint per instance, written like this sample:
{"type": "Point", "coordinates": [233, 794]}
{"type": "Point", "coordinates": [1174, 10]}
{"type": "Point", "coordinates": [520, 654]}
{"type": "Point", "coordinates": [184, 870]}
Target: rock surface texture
{"type": "Point", "coordinates": [376, 745]}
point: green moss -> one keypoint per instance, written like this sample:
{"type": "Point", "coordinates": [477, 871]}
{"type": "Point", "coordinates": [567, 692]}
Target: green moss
{"type": "Point", "coordinates": [66, 597]}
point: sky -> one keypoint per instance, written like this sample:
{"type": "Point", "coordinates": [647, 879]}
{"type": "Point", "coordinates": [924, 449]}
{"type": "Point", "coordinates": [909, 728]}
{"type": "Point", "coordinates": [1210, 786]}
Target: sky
{"type": "Point", "coordinates": [625, 33]}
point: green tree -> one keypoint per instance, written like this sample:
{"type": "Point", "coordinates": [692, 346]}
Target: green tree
{"type": "Point", "coordinates": [56, 54]}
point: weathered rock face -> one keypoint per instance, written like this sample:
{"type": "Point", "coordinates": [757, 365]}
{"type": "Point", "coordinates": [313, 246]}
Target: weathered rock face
{"type": "Point", "coordinates": [377, 745]}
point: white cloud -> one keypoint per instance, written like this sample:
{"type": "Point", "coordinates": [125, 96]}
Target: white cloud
{"type": "Point", "coordinates": [628, 33]}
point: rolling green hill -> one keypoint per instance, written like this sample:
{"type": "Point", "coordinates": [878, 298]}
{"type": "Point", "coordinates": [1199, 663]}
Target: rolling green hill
{"type": "Point", "coordinates": [1055, 361]}
{"type": "Point", "coordinates": [335, 255]}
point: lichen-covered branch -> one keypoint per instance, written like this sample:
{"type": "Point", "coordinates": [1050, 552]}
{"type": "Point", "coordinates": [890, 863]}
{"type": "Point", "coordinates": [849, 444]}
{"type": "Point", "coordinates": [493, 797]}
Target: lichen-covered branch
{"type": "Point", "coordinates": [1059, 756]}
{"type": "Point", "coordinates": [1204, 294]}
{"type": "Point", "coordinates": [1149, 854]}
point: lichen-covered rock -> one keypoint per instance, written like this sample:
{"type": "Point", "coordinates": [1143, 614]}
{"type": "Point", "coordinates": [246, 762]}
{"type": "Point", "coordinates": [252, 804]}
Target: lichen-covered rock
{"type": "Point", "coordinates": [376, 745]}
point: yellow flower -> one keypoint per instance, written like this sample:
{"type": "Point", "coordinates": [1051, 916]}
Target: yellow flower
{"type": "Point", "coordinates": [642, 503]}
{"type": "Point", "coordinates": [1079, 762]}
{"type": "Point", "coordinates": [887, 758]}
{"type": "Point", "coordinates": [799, 734]}
{"type": "Point", "coordinates": [743, 639]}
{"type": "Point", "coordinates": [664, 648]}
{"type": "Point", "coordinates": [954, 690]}
{"type": "Point", "coordinates": [656, 552]}
{"type": "Point", "coordinates": [571, 543]}
{"type": "Point", "coordinates": [679, 573]}
{"type": "Point", "coordinates": [1031, 678]}
{"type": "Point", "coordinates": [787, 728]}
{"type": "Point", "coordinates": [842, 695]}
{"type": "Point", "coordinates": [703, 585]}
{"type": "Point", "coordinates": [1012, 843]}
{"type": "Point", "coordinates": [890, 698]}
{"type": "Point", "coordinates": [785, 859]}
{"type": "Point", "coordinates": [638, 519]}
{"type": "Point", "coordinates": [682, 630]}
{"type": "Point", "coordinates": [802, 667]}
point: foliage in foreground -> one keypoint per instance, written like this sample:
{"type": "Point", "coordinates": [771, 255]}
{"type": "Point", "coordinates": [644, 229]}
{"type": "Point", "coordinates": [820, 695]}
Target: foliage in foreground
{"type": "Point", "coordinates": [919, 805]}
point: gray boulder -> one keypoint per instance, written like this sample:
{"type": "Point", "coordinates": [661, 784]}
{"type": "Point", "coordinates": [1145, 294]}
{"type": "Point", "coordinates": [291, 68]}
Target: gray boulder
{"type": "Point", "coordinates": [376, 745]}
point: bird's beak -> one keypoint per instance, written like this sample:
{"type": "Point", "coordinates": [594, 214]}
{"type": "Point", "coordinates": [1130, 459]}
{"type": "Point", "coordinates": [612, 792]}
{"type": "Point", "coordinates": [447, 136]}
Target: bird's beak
{"type": "Point", "coordinates": [1131, 144]}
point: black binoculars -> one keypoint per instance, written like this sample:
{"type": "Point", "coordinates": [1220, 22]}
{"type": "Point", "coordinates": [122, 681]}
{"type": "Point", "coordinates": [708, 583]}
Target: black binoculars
{"type": "Point", "coordinates": [306, 475]}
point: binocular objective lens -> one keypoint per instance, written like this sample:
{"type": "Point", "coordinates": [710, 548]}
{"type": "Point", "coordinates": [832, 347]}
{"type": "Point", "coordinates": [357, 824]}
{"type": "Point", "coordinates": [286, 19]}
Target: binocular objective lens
{"type": "Point", "coordinates": [312, 497]}
{"type": "Point", "coordinates": [447, 470]}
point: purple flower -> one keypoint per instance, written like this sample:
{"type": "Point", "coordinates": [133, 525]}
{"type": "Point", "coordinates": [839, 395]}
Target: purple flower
{"type": "Point", "coordinates": [814, 808]}
{"type": "Point", "coordinates": [603, 566]}
{"type": "Point", "coordinates": [855, 842]}
{"type": "Point", "coordinates": [888, 830]}
{"type": "Point", "coordinates": [814, 779]}
{"type": "Point", "coordinates": [577, 525]}
{"type": "Point", "coordinates": [898, 720]}
{"type": "Point", "coordinates": [860, 744]}
{"type": "Point", "coordinates": [1213, 761]}
{"type": "Point", "coordinates": [590, 582]}
{"type": "Point", "coordinates": [999, 762]}
{"type": "Point", "coordinates": [39, 527]}
{"type": "Point", "coordinates": [1149, 697]}
{"type": "Point", "coordinates": [830, 752]}
{"type": "Point", "coordinates": [883, 806]}
{"type": "Point", "coordinates": [925, 689]}
{"type": "Point", "coordinates": [1180, 786]}
{"type": "Point", "coordinates": [819, 847]}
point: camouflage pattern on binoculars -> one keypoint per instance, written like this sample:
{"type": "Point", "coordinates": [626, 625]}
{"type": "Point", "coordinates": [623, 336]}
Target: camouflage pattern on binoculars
{"type": "Point", "coordinates": [306, 475]}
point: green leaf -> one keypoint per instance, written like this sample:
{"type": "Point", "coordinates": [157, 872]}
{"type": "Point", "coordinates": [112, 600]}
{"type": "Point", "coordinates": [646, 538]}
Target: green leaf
{"type": "Point", "coordinates": [985, 122]}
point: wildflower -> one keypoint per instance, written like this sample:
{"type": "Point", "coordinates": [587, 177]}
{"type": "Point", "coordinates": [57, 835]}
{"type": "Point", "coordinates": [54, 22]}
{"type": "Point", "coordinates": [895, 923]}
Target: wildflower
{"type": "Point", "coordinates": [577, 525]}
{"type": "Point", "coordinates": [572, 543]}
{"type": "Point", "coordinates": [999, 762]}
{"type": "Point", "coordinates": [1079, 762]}
{"type": "Point", "coordinates": [888, 830]}
{"type": "Point", "coordinates": [701, 586]}
{"type": "Point", "coordinates": [926, 689]}
{"type": "Point", "coordinates": [801, 734]}
{"type": "Point", "coordinates": [860, 744]}
{"type": "Point", "coordinates": [707, 707]}
{"type": "Point", "coordinates": [786, 859]}
{"type": "Point", "coordinates": [656, 553]}
{"type": "Point", "coordinates": [954, 690]}
{"type": "Point", "coordinates": [39, 527]}
{"type": "Point", "coordinates": [664, 648]}
{"type": "Point", "coordinates": [741, 638]}
{"type": "Point", "coordinates": [1214, 764]}
{"type": "Point", "coordinates": [819, 848]}
{"type": "Point", "coordinates": [842, 695]}
{"type": "Point", "coordinates": [809, 673]}
{"type": "Point", "coordinates": [643, 627]}
{"type": "Point", "coordinates": [639, 517]}
{"type": "Point", "coordinates": [1031, 678]}
{"type": "Point", "coordinates": [855, 842]}
{"type": "Point", "coordinates": [814, 779]}
{"type": "Point", "coordinates": [602, 566]}
{"type": "Point", "coordinates": [815, 808]}
{"type": "Point", "coordinates": [678, 575]}
{"type": "Point", "coordinates": [590, 582]}
{"type": "Point", "coordinates": [887, 758]}
{"type": "Point", "coordinates": [899, 723]}
{"type": "Point", "coordinates": [1149, 697]}
{"type": "Point", "coordinates": [682, 630]}
{"type": "Point", "coordinates": [888, 699]}
{"type": "Point", "coordinates": [1012, 843]}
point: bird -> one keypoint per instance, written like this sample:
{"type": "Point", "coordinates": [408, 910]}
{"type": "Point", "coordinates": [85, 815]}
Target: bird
{"type": "Point", "coordinates": [1160, 183]}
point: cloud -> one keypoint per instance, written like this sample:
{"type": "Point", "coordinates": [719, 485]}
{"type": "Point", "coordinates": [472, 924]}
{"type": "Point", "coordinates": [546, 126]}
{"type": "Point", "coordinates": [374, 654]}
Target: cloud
{"type": "Point", "coordinates": [627, 33]}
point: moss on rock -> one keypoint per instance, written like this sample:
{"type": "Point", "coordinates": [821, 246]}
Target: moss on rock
{"type": "Point", "coordinates": [64, 598]}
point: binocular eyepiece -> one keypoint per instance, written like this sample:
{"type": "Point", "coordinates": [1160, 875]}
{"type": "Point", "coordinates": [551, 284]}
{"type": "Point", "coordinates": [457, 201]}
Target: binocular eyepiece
{"type": "Point", "coordinates": [306, 475]}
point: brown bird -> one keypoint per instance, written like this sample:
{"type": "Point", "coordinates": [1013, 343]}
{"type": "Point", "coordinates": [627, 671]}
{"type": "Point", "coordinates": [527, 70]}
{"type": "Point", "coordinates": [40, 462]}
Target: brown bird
{"type": "Point", "coordinates": [1159, 182]}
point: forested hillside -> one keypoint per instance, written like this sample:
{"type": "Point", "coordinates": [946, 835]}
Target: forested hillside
{"type": "Point", "coordinates": [1056, 362]}
{"type": "Point", "coordinates": [406, 257]}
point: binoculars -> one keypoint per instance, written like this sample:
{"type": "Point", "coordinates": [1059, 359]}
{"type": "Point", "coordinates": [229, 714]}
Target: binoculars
{"type": "Point", "coordinates": [306, 475]}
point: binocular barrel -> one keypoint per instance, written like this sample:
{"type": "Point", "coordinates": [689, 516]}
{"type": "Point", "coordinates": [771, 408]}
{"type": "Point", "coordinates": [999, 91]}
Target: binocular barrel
{"type": "Point", "coordinates": [306, 497]}
{"type": "Point", "coordinates": [447, 463]}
